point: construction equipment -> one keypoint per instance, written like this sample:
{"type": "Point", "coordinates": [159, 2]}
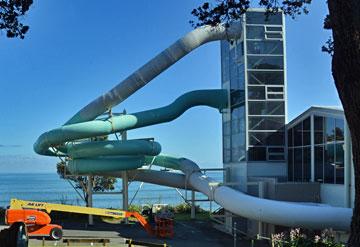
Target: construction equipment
{"type": "Point", "coordinates": [35, 216]}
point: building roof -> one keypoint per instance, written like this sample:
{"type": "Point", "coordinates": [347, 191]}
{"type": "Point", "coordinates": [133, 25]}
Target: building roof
{"type": "Point", "coordinates": [335, 111]}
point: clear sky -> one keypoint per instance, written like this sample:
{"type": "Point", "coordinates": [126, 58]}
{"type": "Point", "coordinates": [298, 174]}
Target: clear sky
{"type": "Point", "coordinates": [77, 50]}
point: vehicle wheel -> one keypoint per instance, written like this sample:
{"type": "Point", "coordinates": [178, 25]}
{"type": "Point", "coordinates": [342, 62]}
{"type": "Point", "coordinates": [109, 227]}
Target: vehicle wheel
{"type": "Point", "coordinates": [56, 233]}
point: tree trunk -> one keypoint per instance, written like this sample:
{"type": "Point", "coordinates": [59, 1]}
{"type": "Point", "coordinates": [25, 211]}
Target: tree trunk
{"type": "Point", "coordinates": [345, 24]}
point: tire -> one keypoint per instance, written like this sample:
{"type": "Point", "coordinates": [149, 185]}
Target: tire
{"type": "Point", "coordinates": [56, 233]}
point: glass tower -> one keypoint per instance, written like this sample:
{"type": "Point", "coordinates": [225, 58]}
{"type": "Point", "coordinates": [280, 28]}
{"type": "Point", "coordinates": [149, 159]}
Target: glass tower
{"type": "Point", "coordinates": [254, 73]}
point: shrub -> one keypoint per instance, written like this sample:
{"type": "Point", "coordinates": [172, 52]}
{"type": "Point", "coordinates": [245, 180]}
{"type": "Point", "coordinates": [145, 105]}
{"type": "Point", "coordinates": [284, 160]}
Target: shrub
{"type": "Point", "coordinates": [296, 238]}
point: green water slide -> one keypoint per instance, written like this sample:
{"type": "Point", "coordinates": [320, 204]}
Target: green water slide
{"type": "Point", "coordinates": [81, 141]}
{"type": "Point", "coordinates": [88, 156]}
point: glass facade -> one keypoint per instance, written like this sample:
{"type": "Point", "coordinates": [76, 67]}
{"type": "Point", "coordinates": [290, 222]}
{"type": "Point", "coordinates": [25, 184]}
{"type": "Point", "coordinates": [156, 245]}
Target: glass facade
{"type": "Point", "coordinates": [253, 72]}
{"type": "Point", "coordinates": [328, 135]}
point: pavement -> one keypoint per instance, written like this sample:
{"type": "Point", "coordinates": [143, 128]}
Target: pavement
{"type": "Point", "coordinates": [187, 233]}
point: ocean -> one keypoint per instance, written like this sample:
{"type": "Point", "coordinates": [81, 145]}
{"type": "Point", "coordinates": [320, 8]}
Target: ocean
{"type": "Point", "coordinates": [48, 187]}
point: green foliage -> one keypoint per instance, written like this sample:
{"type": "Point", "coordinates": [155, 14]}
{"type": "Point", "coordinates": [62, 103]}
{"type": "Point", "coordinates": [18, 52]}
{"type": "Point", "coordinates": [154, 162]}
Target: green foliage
{"type": "Point", "coordinates": [228, 10]}
{"type": "Point", "coordinates": [10, 12]}
{"type": "Point", "coordinates": [296, 238]}
{"type": "Point", "coordinates": [184, 208]}
{"type": "Point", "coordinates": [134, 208]}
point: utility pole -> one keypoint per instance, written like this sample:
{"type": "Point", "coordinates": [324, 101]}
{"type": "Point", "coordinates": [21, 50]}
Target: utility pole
{"type": "Point", "coordinates": [90, 181]}
{"type": "Point", "coordinates": [125, 191]}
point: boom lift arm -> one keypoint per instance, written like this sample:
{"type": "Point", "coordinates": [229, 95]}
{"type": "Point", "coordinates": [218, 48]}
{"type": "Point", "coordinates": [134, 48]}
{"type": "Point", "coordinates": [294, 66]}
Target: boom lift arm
{"type": "Point", "coordinates": [30, 206]}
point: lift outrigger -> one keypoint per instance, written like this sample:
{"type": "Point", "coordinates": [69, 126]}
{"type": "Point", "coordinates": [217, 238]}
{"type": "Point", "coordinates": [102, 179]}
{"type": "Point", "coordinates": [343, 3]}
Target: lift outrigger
{"type": "Point", "coordinates": [36, 216]}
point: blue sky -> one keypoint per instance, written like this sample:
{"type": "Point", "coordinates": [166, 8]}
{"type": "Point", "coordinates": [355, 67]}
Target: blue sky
{"type": "Point", "coordinates": [77, 50]}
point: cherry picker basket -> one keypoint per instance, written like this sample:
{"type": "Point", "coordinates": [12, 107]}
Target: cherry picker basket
{"type": "Point", "coordinates": [164, 227]}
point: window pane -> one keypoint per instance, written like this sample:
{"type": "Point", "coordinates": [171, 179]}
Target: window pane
{"type": "Point", "coordinates": [319, 129]}
{"type": "Point", "coordinates": [269, 28]}
{"type": "Point", "coordinates": [330, 129]}
{"type": "Point", "coordinates": [319, 159]}
{"type": "Point", "coordinates": [255, 32]}
{"type": "Point", "coordinates": [339, 163]}
{"type": "Point", "coordinates": [265, 47]}
{"type": "Point", "coordinates": [290, 165]}
{"type": "Point", "coordinates": [266, 138]}
{"type": "Point", "coordinates": [290, 137]}
{"type": "Point", "coordinates": [275, 96]}
{"type": "Point", "coordinates": [257, 153]}
{"type": "Point", "coordinates": [298, 165]}
{"type": "Point", "coordinates": [339, 130]}
{"type": "Point", "coordinates": [275, 89]}
{"type": "Point", "coordinates": [298, 134]}
{"type": "Point", "coordinates": [276, 157]}
{"type": "Point", "coordinates": [262, 18]}
{"type": "Point", "coordinates": [266, 123]}
{"type": "Point", "coordinates": [237, 98]}
{"type": "Point", "coordinates": [306, 164]}
{"type": "Point", "coordinates": [273, 35]}
{"type": "Point", "coordinates": [256, 92]}
{"type": "Point", "coordinates": [227, 155]}
{"type": "Point", "coordinates": [266, 108]}
{"type": "Point", "coordinates": [265, 62]}
{"type": "Point", "coordinates": [329, 163]}
{"type": "Point", "coordinates": [266, 77]}
{"type": "Point", "coordinates": [306, 131]}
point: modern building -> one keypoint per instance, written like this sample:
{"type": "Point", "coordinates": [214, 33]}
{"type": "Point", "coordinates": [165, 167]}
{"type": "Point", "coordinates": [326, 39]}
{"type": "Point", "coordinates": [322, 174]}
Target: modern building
{"type": "Point", "coordinates": [254, 73]}
{"type": "Point", "coordinates": [306, 160]}
{"type": "Point", "coordinates": [319, 151]}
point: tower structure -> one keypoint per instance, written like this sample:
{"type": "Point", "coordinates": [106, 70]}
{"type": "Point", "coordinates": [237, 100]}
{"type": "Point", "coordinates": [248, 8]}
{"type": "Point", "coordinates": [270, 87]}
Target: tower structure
{"type": "Point", "coordinates": [254, 73]}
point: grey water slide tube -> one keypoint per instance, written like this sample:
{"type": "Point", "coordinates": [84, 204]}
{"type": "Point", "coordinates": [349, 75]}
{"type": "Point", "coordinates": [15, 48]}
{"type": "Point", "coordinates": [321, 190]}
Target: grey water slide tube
{"type": "Point", "coordinates": [107, 157]}
{"type": "Point", "coordinates": [154, 67]}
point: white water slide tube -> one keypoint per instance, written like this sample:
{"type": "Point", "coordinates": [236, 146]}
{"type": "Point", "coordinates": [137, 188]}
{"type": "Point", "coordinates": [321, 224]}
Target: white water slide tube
{"type": "Point", "coordinates": [275, 212]}
{"type": "Point", "coordinates": [270, 211]}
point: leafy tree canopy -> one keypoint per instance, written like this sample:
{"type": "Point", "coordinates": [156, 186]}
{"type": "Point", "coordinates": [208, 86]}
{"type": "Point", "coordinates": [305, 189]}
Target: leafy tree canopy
{"type": "Point", "coordinates": [10, 13]}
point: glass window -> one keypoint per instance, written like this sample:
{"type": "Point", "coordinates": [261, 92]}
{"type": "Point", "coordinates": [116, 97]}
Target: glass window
{"type": "Point", "coordinates": [263, 18]}
{"type": "Point", "coordinates": [266, 123]}
{"type": "Point", "coordinates": [255, 32]}
{"type": "Point", "coordinates": [298, 134]}
{"type": "Point", "coordinates": [306, 164]}
{"type": "Point", "coordinates": [256, 92]}
{"type": "Point", "coordinates": [339, 129]}
{"type": "Point", "coordinates": [290, 165]}
{"type": "Point", "coordinates": [273, 35]}
{"type": "Point", "coordinates": [266, 77]}
{"type": "Point", "coordinates": [319, 129]}
{"type": "Point", "coordinates": [275, 96]}
{"type": "Point", "coordinates": [266, 138]}
{"type": "Point", "coordinates": [265, 62]}
{"type": "Point", "coordinates": [319, 164]}
{"type": "Point", "coordinates": [306, 132]}
{"type": "Point", "coordinates": [275, 89]}
{"type": "Point", "coordinates": [227, 155]}
{"type": "Point", "coordinates": [265, 47]}
{"type": "Point", "coordinates": [237, 98]}
{"type": "Point", "coordinates": [226, 128]}
{"type": "Point", "coordinates": [339, 167]}
{"type": "Point", "coordinates": [276, 157]}
{"type": "Point", "coordinates": [290, 137]}
{"type": "Point", "coordinates": [329, 164]}
{"type": "Point", "coordinates": [298, 170]}
{"type": "Point", "coordinates": [330, 129]}
{"type": "Point", "coordinates": [266, 107]}
{"type": "Point", "coordinates": [257, 153]}
{"type": "Point", "coordinates": [271, 28]}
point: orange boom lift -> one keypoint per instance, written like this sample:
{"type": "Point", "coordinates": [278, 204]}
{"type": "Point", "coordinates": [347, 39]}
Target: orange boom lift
{"type": "Point", "coordinates": [36, 216]}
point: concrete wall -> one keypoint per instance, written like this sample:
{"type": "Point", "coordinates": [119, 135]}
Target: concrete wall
{"type": "Point", "coordinates": [332, 194]}
{"type": "Point", "coordinates": [266, 169]}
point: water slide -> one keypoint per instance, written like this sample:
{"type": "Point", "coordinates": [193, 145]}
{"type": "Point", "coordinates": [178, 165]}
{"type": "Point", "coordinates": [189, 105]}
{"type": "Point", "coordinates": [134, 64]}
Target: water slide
{"type": "Point", "coordinates": [79, 140]}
